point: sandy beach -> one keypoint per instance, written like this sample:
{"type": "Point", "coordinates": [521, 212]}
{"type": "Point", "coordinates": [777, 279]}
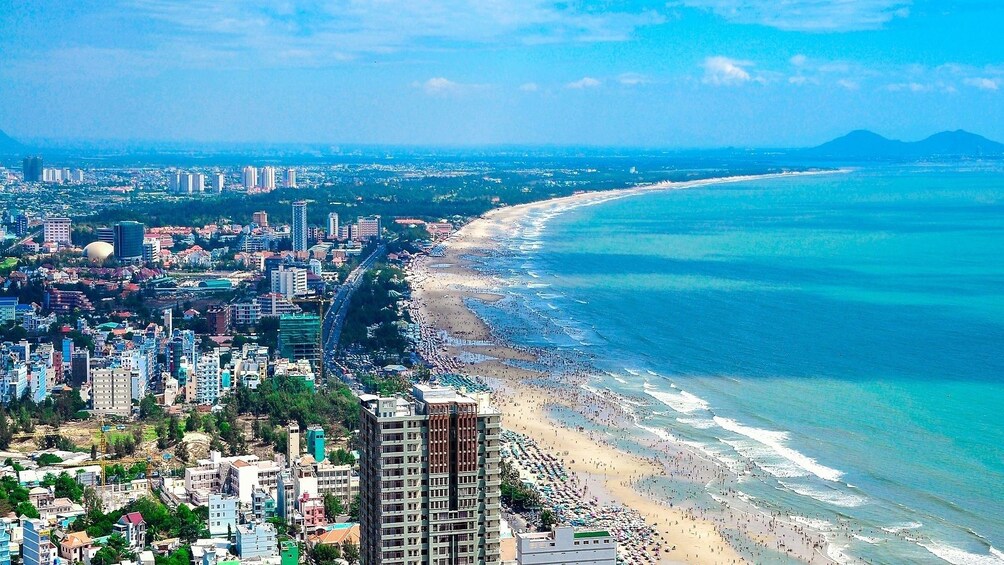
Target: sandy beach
{"type": "Point", "coordinates": [456, 340]}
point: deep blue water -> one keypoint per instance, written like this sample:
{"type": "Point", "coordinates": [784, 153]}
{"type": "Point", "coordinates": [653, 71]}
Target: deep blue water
{"type": "Point", "coordinates": [844, 332]}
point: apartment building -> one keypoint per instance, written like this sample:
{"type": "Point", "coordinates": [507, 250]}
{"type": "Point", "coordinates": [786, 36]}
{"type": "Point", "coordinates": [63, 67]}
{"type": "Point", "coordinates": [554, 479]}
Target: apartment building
{"type": "Point", "coordinates": [429, 479]}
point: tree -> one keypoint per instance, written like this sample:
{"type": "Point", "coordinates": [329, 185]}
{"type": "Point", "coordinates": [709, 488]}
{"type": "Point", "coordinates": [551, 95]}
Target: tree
{"type": "Point", "coordinates": [350, 552]}
{"type": "Point", "coordinates": [354, 509]}
{"type": "Point", "coordinates": [547, 520]}
{"type": "Point", "coordinates": [6, 433]}
{"type": "Point", "coordinates": [48, 459]}
{"type": "Point", "coordinates": [174, 429]}
{"type": "Point", "coordinates": [326, 554]}
{"type": "Point", "coordinates": [190, 524]}
{"type": "Point", "coordinates": [67, 487]}
{"type": "Point", "coordinates": [192, 423]}
{"type": "Point", "coordinates": [105, 556]}
{"type": "Point", "coordinates": [92, 503]}
{"type": "Point", "coordinates": [333, 507]}
{"type": "Point", "coordinates": [341, 457]}
{"type": "Point", "coordinates": [137, 435]}
{"type": "Point", "coordinates": [181, 452]}
{"type": "Point", "coordinates": [26, 509]}
{"type": "Point", "coordinates": [148, 408]}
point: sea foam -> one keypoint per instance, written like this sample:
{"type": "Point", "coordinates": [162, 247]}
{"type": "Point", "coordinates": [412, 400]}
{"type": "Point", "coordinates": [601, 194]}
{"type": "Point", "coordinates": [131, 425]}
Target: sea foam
{"type": "Point", "coordinates": [776, 441]}
{"type": "Point", "coordinates": [957, 556]}
{"type": "Point", "coordinates": [827, 495]}
{"type": "Point", "coordinates": [681, 401]}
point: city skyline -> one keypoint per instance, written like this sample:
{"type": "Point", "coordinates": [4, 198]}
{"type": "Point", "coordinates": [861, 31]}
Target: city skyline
{"type": "Point", "coordinates": [690, 73]}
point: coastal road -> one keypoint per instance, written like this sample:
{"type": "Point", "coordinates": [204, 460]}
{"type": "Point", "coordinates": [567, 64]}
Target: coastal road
{"type": "Point", "coordinates": [335, 317]}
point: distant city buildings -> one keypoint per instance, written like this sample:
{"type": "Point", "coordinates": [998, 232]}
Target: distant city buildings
{"type": "Point", "coordinates": [249, 176]}
{"type": "Point", "coordinates": [217, 184]}
{"type": "Point", "coordinates": [299, 229]}
{"type": "Point", "coordinates": [31, 168]}
{"type": "Point", "coordinates": [62, 175]}
{"type": "Point", "coordinates": [266, 178]}
{"type": "Point", "coordinates": [260, 219]}
{"type": "Point", "coordinates": [188, 183]}
{"type": "Point", "coordinates": [289, 181]}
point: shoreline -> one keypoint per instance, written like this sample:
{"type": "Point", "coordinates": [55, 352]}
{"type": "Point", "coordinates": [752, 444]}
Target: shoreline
{"type": "Point", "coordinates": [456, 339]}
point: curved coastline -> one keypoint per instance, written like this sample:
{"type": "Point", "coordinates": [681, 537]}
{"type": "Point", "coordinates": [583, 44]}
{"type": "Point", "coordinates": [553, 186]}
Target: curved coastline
{"type": "Point", "coordinates": [456, 339]}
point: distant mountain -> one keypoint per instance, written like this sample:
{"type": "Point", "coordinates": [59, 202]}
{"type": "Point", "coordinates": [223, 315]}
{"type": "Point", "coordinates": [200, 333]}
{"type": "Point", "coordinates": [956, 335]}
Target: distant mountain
{"type": "Point", "coordinates": [9, 145]}
{"type": "Point", "coordinates": [867, 145]}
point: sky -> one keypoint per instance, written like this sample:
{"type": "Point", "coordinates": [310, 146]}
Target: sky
{"type": "Point", "coordinates": [674, 74]}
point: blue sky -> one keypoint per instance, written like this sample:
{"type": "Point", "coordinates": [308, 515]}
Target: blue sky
{"type": "Point", "coordinates": [677, 73]}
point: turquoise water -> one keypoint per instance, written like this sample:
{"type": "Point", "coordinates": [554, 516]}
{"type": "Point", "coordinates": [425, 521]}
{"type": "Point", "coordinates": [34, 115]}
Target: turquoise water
{"type": "Point", "coordinates": [845, 333]}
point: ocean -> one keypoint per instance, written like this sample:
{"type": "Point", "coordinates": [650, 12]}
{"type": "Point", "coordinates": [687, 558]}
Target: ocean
{"type": "Point", "coordinates": [842, 334]}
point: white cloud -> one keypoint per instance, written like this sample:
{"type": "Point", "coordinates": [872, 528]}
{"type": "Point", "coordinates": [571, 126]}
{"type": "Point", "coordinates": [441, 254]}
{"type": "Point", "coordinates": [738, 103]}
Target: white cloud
{"type": "Point", "coordinates": [983, 83]}
{"type": "Point", "coordinates": [807, 15]}
{"type": "Point", "coordinates": [799, 60]}
{"type": "Point", "coordinates": [848, 84]}
{"type": "Point", "coordinates": [584, 82]}
{"type": "Point", "coordinates": [633, 79]}
{"type": "Point", "coordinates": [529, 87]}
{"type": "Point", "coordinates": [908, 87]}
{"type": "Point", "coordinates": [441, 86]}
{"type": "Point", "coordinates": [722, 71]}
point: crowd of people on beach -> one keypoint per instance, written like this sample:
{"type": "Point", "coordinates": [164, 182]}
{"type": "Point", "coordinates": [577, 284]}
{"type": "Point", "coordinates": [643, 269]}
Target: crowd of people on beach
{"type": "Point", "coordinates": [570, 500]}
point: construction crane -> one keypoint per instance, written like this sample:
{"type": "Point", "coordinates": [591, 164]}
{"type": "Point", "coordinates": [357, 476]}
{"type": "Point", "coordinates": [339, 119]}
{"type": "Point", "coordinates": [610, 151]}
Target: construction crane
{"type": "Point", "coordinates": [103, 444]}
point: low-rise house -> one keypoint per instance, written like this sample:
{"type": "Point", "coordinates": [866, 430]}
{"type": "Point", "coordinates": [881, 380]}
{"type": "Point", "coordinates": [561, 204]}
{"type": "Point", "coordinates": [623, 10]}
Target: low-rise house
{"type": "Point", "coordinates": [75, 546]}
{"type": "Point", "coordinates": [132, 527]}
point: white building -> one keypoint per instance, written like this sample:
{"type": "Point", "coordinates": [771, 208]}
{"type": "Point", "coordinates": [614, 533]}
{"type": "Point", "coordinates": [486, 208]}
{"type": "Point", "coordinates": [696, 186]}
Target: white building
{"type": "Point", "coordinates": [256, 541]}
{"type": "Point", "coordinates": [333, 225]}
{"type": "Point", "coordinates": [208, 379]}
{"type": "Point", "coordinates": [151, 249]}
{"type": "Point", "coordinates": [565, 545]}
{"type": "Point", "coordinates": [217, 183]}
{"type": "Point", "coordinates": [266, 178]}
{"type": "Point", "coordinates": [289, 282]}
{"type": "Point", "coordinates": [290, 179]}
{"type": "Point", "coordinates": [245, 313]}
{"type": "Point", "coordinates": [250, 177]}
{"type": "Point", "coordinates": [56, 229]}
{"type": "Point", "coordinates": [111, 391]}
{"type": "Point", "coordinates": [188, 183]}
{"type": "Point", "coordinates": [222, 514]}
